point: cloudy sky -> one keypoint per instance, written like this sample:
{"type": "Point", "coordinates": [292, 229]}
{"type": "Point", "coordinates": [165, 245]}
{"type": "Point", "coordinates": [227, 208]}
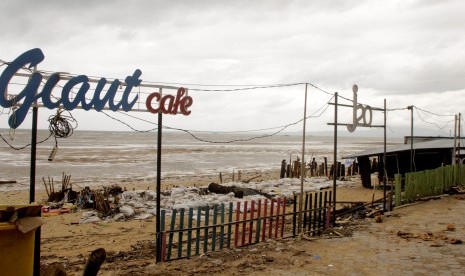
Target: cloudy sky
{"type": "Point", "coordinates": [407, 52]}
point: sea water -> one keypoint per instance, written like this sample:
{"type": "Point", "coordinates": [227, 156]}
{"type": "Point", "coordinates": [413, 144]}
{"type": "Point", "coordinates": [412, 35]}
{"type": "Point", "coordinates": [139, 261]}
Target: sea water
{"type": "Point", "coordinates": [97, 157]}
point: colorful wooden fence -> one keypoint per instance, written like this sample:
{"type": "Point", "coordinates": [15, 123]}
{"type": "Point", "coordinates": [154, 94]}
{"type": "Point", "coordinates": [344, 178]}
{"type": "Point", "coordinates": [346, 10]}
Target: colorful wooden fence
{"type": "Point", "coordinates": [428, 183]}
{"type": "Point", "coordinates": [194, 232]}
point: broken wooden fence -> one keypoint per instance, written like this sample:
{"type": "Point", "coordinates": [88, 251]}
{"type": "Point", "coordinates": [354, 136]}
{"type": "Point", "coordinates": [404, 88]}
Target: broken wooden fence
{"type": "Point", "coordinates": [194, 232]}
{"type": "Point", "coordinates": [428, 183]}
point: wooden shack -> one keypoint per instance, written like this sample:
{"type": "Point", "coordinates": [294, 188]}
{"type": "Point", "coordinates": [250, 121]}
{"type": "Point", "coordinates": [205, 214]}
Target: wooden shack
{"type": "Point", "coordinates": [427, 154]}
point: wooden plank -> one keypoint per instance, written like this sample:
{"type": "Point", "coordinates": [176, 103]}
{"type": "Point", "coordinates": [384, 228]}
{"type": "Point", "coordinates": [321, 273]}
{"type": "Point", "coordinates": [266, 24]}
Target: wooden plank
{"type": "Point", "coordinates": [205, 233]}
{"type": "Point", "coordinates": [215, 215]}
{"type": "Point", "coordinates": [189, 232]}
{"type": "Point", "coordinates": [170, 237]}
{"type": "Point", "coordinates": [181, 232]}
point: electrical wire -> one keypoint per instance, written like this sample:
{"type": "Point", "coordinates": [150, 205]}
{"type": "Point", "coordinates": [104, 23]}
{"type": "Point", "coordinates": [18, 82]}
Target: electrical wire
{"type": "Point", "coordinates": [23, 147]}
{"type": "Point", "coordinates": [431, 123]}
{"type": "Point", "coordinates": [191, 132]}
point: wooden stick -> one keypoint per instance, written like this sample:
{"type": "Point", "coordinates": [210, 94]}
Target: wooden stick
{"type": "Point", "coordinates": [45, 184]}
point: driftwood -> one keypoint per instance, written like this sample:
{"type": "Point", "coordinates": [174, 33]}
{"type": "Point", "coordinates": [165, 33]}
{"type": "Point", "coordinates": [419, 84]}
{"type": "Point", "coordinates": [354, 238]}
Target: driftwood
{"type": "Point", "coordinates": [96, 259]}
{"type": "Point", "coordinates": [238, 191]}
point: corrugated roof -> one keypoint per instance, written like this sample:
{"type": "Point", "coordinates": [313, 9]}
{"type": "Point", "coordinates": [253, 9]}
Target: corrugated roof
{"type": "Point", "coordinates": [433, 144]}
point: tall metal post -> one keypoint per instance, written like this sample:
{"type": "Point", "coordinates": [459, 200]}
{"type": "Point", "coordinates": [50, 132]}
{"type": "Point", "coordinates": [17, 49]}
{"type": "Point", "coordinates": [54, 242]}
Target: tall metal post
{"type": "Point", "coordinates": [458, 148]}
{"type": "Point", "coordinates": [335, 160]}
{"type": "Point", "coordinates": [411, 137]}
{"type": "Point", "coordinates": [158, 252]}
{"type": "Point", "coordinates": [32, 183]}
{"type": "Point", "coordinates": [384, 158]}
{"type": "Point", "coordinates": [454, 154]}
{"type": "Point", "coordinates": [301, 197]}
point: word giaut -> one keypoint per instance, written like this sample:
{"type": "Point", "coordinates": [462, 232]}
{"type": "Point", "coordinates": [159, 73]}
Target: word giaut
{"type": "Point", "coordinates": [30, 92]}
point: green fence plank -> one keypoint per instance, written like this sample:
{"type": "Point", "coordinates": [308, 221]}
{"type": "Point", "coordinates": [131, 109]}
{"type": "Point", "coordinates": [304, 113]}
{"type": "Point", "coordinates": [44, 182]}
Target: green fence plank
{"type": "Point", "coordinates": [215, 215]}
{"type": "Point", "coordinates": [170, 238]}
{"type": "Point", "coordinates": [197, 234]}
{"type": "Point", "coordinates": [180, 234]}
{"type": "Point", "coordinates": [189, 233]}
{"type": "Point", "coordinates": [398, 189]}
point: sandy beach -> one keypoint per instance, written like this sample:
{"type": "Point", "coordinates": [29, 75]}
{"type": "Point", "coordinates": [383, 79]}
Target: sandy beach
{"type": "Point", "coordinates": [67, 241]}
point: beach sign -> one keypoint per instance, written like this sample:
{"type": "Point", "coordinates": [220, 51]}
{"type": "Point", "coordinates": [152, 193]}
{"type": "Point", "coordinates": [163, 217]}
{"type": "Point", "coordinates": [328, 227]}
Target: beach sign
{"type": "Point", "coordinates": [83, 98]}
{"type": "Point", "coordinates": [365, 109]}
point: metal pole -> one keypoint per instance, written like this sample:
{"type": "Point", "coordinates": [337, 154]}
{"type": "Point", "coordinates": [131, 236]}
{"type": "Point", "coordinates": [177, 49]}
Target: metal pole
{"type": "Point", "coordinates": [411, 137]}
{"type": "Point", "coordinates": [458, 143]}
{"type": "Point", "coordinates": [32, 183]}
{"type": "Point", "coordinates": [335, 159]}
{"type": "Point", "coordinates": [384, 159]}
{"type": "Point", "coordinates": [302, 167]}
{"type": "Point", "coordinates": [158, 221]}
{"type": "Point", "coordinates": [454, 154]}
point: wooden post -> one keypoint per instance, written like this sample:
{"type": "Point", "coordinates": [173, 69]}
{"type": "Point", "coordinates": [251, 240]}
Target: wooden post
{"type": "Point", "coordinates": [222, 226]}
{"type": "Point", "coordinates": [205, 233]}
{"type": "Point", "coordinates": [244, 223]}
{"type": "Point", "coordinates": [265, 214]}
{"type": "Point", "coordinates": [230, 218]}
{"type": "Point", "coordinates": [278, 201]}
{"type": "Point", "coordinates": [170, 238]}
{"type": "Point", "coordinates": [238, 213]}
{"type": "Point", "coordinates": [259, 219]}
{"type": "Point", "coordinates": [270, 228]}
{"type": "Point", "coordinates": [326, 166]}
{"type": "Point", "coordinates": [189, 232]}
{"type": "Point", "coordinates": [284, 217]}
{"type": "Point", "coordinates": [180, 234]}
{"type": "Point", "coordinates": [252, 210]}
{"type": "Point", "coordinates": [197, 238]}
{"type": "Point", "coordinates": [215, 215]}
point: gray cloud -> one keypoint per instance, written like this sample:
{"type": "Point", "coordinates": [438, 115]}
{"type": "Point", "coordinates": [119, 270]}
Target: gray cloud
{"type": "Point", "coordinates": [390, 48]}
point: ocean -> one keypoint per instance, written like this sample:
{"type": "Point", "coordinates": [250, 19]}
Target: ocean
{"type": "Point", "coordinates": [97, 157]}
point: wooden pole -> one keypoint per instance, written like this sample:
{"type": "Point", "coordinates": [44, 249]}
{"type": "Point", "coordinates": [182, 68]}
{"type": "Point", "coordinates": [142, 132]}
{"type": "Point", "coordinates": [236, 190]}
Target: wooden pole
{"type": "Point", "coordinates": [230, 218]}
{"type": "Point", "coordinates": [222, 226]}
{"type": "Point", "coordinates": [384, 159]}
{"type": "Point", "coordinates": [454, 153]}
{"type": "Point", "coordinates": [302, 167]}
{"type": "Point", "coordinates": [180, 234]}
{"type": "Point", "coordinates": [158, 191]}
{"type": "Point", "coordinates": [335, 158]}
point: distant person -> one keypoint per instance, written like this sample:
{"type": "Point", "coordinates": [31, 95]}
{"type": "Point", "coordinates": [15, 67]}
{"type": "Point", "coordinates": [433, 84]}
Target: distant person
{"type": "Point", "coordinates": [313, 167]}
{"type": "Point", "coordinates": [374, 166]}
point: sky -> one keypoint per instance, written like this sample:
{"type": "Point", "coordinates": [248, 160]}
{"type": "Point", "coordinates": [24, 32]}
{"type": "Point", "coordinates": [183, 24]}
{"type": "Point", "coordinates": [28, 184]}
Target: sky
{"type": "Point", "coordinates": [405, 52]}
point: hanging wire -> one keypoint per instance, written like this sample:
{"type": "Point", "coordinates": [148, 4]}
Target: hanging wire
{"type": "Point", "coordinates": [431, 123]}
{"type": "Point", "coordinates": [322, 109]}
{"type": "Point", "coordinates": [23, 147]}
{"type": "Point", "coordinates": [62, 126]}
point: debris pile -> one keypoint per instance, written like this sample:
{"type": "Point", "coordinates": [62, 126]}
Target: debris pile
{"type": "Point", "coordinates": [116, 203]}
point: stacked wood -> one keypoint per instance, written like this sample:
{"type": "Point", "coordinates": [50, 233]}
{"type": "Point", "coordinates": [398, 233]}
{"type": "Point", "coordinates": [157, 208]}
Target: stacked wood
{"type": "Point", "coordinates": [66, 187]}
{"type": "Point", "coordinates": [238, 191]}
{"type": "Point", "coordinates": [102, 205]}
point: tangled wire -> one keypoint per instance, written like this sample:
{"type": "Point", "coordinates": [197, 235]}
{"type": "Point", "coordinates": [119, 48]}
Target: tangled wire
{"type": "Point", "coordinates": [62, 126]}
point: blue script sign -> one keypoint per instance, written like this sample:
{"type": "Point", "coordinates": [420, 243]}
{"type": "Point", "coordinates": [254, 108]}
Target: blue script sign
{"type": "Point", "coordinates": [30, 92]}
